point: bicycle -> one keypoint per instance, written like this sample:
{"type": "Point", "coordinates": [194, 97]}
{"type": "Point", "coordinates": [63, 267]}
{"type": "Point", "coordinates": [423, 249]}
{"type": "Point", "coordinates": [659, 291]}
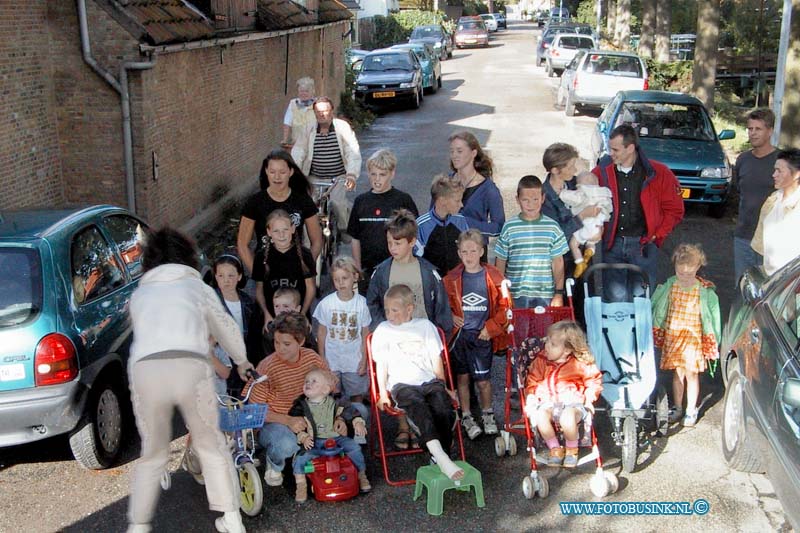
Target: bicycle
{"type": "Point", "coordinates": [328, 220]}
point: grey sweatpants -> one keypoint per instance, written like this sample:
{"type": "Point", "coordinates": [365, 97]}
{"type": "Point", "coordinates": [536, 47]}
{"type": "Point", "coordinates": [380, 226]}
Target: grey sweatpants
{"type": "Point", "coordinates": [158, 385]}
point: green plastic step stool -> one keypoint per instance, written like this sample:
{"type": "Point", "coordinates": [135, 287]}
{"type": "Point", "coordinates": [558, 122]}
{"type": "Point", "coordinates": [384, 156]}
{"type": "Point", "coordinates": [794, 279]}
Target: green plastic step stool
{"type": "Point", "coordinates": [436, 483]}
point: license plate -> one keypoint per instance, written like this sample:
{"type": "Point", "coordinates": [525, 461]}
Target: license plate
{"type": "Point", "coordinates": [686, 193]}
{"type": "Point", "coordinates": [12, 372]}
{"type": "Point", "coordinates": [385, 94]}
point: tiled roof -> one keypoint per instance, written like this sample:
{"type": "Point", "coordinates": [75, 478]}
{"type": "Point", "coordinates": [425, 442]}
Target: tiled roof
{"type": "Point", "coordinates": [333, 11]}
{"type": "Point", "coordinates": [282, 14]}
{"type": "Point", "coordinates": [351, 4]}
{"type": "Point", "coordinates": [167, 21]}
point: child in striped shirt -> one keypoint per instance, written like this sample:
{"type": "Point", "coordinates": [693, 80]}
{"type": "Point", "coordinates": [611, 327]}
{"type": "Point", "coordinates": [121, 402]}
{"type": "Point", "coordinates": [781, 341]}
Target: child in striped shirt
{"type": "Point", "coordinates": [530, 250]}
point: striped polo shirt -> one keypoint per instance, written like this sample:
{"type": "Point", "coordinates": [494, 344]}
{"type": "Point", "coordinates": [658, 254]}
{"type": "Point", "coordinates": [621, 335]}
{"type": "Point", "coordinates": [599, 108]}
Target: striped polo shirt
{"type": "Point", "coordinates": [327, 159]}
{"type": "Point", "coordinates": [284, 379]}
{"type": "Point", "coordinates": [529, 247]}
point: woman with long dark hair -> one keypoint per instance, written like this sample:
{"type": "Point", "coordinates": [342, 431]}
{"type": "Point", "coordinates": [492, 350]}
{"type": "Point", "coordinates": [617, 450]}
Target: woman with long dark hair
{"type": "Point", "coordinates": [283, 186]}
{"type": "Point", "coordinates": [174, 314]}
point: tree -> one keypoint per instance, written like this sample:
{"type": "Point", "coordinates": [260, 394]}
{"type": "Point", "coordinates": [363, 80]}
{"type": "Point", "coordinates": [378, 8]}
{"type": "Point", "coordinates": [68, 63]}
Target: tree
{"type": "Point", "coordinates": [663, 30]}
{"type": "Point", "coordinates": [648, 34]}
{"type": "Point", "coordinates": [705, 51]}
{"type": "Point", "coordinates": [611, 19]}
{"type": "Point", "coordinates": [622, 33]}
{"type": "Point", "coordinates": [790, 111]}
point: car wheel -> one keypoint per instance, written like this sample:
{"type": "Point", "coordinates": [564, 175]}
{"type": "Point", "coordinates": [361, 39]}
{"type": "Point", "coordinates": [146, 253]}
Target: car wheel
{"type": "Point", "coordinates": [717, 210]}
{"type": "Point", "coordinates": [439, 83]}
{"type": "Point", "coordinates": [569, 106]}
{"type": "Point", "coordinates": [435, 85]}
{"type": "Point", "coordinates": [737, 448]}
{"type": "Point", "coordinates": [97, 439]}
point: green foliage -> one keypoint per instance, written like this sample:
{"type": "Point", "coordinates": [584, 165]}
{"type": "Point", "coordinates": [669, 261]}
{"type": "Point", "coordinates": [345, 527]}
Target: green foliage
{"type": "Point", "coordinates": [351, 109]}
{"type": "Point", "coordinates": [684, 16]}
{"type": "Point", "coordinates": [587, 12]}
{"type": "Point", "coordinates": [745, 27]}
{"type": "Point", "coordinates": [474, 7]}
{"type": "Point", "coordinates": [396, 28]}
{"type": "Point", "coordinates": [730, 114]}
{"type": "Point", "coordinates": [675, 76]}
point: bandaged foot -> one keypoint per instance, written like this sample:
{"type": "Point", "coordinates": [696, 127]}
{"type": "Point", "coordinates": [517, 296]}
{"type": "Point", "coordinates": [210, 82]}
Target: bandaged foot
{"type": "Point", "coordinates": [443, 461]}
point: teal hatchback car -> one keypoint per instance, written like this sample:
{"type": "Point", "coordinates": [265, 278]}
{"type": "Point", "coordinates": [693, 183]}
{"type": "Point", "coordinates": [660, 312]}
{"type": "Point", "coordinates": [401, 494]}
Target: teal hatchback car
{"type": "Point", "coordinates": [429, 61]}
{"type": "Point", "coordinates": [676, 130]}
{"type": "Point", "coordinates": [66, 278]}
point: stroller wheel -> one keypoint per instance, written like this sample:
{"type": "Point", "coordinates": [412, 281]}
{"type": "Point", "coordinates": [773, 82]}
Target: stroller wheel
{"type": "Point", "coordinates": [512, 446]}
{"type": "Point", "coordinates": [166, 480]}
{"type": "Point", "coordinates": [613, 482]}
{"type": "Point", "coordinates": [500, 446]}
{"type": "Point", "coordinates": [599, 485]}
{"type": "Point", "coordinates": [527, 488]}
{"type": "Point", "coordinates": [544, 488]}
{"type": "Point", "coordinates": [629, 444]}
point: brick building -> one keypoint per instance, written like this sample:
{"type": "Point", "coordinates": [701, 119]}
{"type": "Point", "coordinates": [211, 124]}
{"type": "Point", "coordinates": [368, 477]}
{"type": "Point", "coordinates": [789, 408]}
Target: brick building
{"type": "Point", "coordinates": [208, 84]}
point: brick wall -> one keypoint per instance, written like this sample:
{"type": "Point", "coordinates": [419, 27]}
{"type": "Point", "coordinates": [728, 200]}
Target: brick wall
{"type": "Point", "coordinates": [29, 151]}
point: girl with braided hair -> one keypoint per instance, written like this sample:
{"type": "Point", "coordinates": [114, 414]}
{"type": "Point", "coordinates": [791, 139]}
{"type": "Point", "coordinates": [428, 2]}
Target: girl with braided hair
{"type": "Point", "coordinates": [283, 262]}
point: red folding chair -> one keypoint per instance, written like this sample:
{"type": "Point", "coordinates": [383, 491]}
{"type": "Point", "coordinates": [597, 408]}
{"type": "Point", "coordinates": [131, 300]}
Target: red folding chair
{"type": "Point", "coordinates": [379, 449]}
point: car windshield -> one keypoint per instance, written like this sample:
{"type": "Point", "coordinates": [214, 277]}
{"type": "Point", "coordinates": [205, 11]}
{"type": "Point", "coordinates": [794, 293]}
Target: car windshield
{"type": "Point", "coordinates": [583, 30]}
{"type": "Point", "coordinates": [424, 31]}
{"type": "Point", "coordinates": [667, 121]}
{"type": "Point", "coordinates": [20, 286]}
{"type": "Point", "coordinates": [471, 25]}
{"type": "Point", "coordinates": [379, 63]}
{"type": "Point", "coordinates": [613, 65]}
{"type": "Point", "coordinates": [574, 43]}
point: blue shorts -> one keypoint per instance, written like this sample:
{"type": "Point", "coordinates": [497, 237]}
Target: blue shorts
{"type": "Point", "coordinates": [471, 355]}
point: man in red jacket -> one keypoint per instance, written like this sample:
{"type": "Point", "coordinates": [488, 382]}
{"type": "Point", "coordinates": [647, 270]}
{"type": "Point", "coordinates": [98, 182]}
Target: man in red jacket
{"type": "Point", "coordinates": [647, 207]}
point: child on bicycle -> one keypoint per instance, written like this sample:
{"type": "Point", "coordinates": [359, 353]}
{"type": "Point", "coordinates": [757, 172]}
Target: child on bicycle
{"type": "Point", "coordinates": [562, 385]}
{"type": "Point", "coordinates": [407, 353]}
{"type": "Point", "coordinates": [343, 325]}
{"type": "Point", "coordinates": [686, 326]}
{"type": "Point", "coordinates": [324, 420]}
{"type": "Point", "coordinates": [479, 316]}
{"type": "Point", "coordinates": [283, 262]}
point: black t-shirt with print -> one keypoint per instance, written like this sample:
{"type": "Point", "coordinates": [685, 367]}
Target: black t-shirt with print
{"type": "Point", "coordinates": [367, 219]}
{"type": "Point", "coordinates": [260, 205]}
{"type": "Point", "coordinates": [285, 270]}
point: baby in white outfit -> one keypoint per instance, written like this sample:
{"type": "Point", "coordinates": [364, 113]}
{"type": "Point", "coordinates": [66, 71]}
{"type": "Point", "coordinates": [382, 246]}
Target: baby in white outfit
{"type": "Point", "coordinates": [587, 194]}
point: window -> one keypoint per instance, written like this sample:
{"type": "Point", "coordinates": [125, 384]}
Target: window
{"type": "Point", "coordinates": [95, 270]}
{"type": "Point", "coordinates": [127, 233]}
{"type": "Point", "coordinates": [20, 286]}
{"type": "Point", "coordinates": [667, 121]}
{"type": "Point", "coordinates": [614, 65]}
{"type": "Point", "coordinates": [785, 306]}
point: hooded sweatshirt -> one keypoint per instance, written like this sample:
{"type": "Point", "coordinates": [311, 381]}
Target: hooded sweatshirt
{"type": "Point", "coordinates": [172, 309]}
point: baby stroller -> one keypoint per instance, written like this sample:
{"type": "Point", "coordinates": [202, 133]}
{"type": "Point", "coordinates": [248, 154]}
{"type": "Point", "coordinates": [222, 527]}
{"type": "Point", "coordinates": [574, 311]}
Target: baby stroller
{"type": "Point", "coordinates": [620, 335]}
{"type": "Point", "coordinates": [532, 324]}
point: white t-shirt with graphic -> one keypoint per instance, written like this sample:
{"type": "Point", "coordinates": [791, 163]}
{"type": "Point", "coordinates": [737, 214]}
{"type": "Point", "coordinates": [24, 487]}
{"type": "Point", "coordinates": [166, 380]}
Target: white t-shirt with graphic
{"type": "Point", "coordinates": [344, 321]}
{"type": "Point", "coordinates": [408, 350]}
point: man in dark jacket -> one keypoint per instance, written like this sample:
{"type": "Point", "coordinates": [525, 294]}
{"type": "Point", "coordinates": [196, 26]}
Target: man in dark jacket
{"type": "Point", "coordinates": [647, 207]}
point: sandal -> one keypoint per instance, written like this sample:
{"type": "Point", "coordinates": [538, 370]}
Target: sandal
{"type": "Point", "coordinates": [402, 440]}
{"type": "Point", "coordinates": [414, 441]}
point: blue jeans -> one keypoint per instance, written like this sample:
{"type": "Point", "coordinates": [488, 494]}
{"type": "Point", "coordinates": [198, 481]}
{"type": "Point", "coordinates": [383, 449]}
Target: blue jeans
{"type": "Point", "coordinates": [618, 285]}
{"type": "Point", "coordinates": [744, 257]}
{"type": "Point", "coordinates": [348, 445]}
{"type": "Point", "coordinates": [280, 443]}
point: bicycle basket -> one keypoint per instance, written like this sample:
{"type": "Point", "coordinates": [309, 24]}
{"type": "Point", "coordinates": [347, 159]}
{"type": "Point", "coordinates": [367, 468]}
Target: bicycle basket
{"type": "Point", "coordinates": [251, 415]}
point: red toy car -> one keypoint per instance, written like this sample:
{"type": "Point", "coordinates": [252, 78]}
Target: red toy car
{"type": "Point", "coordinates": [333, 476]}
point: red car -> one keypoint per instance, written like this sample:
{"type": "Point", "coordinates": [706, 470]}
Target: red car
{"type": "Point", "coordinates": [471, 32]}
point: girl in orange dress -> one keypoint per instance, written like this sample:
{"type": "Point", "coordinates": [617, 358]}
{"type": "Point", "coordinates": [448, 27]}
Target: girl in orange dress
{"type": "Point", "coordinates": [686, 325]}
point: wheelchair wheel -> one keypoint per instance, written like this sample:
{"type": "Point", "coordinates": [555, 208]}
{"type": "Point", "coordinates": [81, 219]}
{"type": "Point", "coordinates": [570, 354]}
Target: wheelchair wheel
{"type": "Point", "coordinates": [629, 444]}
{"type": "Point", "coordinates": [251, 493]}
{"type": "Point", "coordinates": [499, 446]}
{"type": "Point", "coordinates": [662, 412]}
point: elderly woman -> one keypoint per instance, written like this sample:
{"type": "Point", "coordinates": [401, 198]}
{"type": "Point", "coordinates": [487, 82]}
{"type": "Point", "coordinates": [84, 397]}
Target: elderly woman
{"type": "Point", "coordinates": [776, 234]}
{"type": "Point", "coordinates": [174, 314]}
{"type": "Point", "coordinates": [300, 113]}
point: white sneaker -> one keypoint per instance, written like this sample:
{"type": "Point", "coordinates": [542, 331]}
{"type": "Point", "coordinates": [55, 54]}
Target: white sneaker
{"type": "Point", "coordinates": [489, 424]}
{"type": "Point", "coordinates": [139, 528]}
{"type": "Point", "coordinates": [273, 478]}
{"type": "Point", "coordinates": [230, 523]}
{"type": "Point", "coordinates": [471, 427]}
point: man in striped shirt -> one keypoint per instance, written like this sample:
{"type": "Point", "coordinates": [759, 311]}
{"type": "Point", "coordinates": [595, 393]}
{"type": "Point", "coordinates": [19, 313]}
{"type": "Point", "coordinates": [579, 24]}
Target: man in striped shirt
{"type": "Point", "coordinates": [328, 149]}
{"type": "Point", "coordinates": [530, 250]}
{"type": "Point", "coordinates": [285, 370]}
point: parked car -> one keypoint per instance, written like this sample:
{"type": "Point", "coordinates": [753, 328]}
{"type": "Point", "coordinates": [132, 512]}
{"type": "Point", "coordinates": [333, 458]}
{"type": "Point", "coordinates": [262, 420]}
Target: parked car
{"type": "Point", "coordinates": [355, 57]}
{"type": "Point", "coordinates": [760, 363]}
{"type": "Point", "coordinates": [471, 32]}
{"type": "Point", "coordinates": [676, 130]}
{"type": "Point", "coordinates": [436, 35]}
{"type": "Point", "coordinates": [594, 78]}
{"type": "Point", "coordinates": [546, 39]}
{"type": "Point", "coordinates": [563, 49]}
{"type": "Point", "coordinates": [390, 76]}
{"type": "Point", "coordinates": [500, 17]}
{"type": "Point", "coordinates": [66, 277]}
{"type": "Point", "coordinates": [542, 16]}
{"type": "Point", "coordinates": [429, 61]}
{"type": "Point", "coordinates": [489, 20]}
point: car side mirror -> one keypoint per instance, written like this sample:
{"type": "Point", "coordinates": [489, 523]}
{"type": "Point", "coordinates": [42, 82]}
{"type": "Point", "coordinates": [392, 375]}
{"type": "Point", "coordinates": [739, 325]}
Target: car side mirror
{"type": "Point", "coordinates": [602, 126]}
{"type": "Point", "coordinates": [357, 66]}
{"type": "Point", "coordinates": [750, 287]}
{"type": "Point", "coordinates": [791, 392]}
{"type": "Point", "coordinates": [725, 135]}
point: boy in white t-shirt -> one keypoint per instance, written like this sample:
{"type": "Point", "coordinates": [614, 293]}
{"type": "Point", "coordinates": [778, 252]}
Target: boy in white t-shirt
{"type": "Point", "coordinates": [407, 353]}
{"type": "Point", "coordinates": [344, 318]}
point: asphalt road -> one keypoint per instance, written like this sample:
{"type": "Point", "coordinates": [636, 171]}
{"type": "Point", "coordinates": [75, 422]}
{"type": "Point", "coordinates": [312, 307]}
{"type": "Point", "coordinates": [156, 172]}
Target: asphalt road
{"type": "Point", "coordinates": [498, 94]}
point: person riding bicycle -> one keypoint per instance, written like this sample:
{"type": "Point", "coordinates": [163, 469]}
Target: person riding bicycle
{"type": "Point", "coordinates": [327, 149]}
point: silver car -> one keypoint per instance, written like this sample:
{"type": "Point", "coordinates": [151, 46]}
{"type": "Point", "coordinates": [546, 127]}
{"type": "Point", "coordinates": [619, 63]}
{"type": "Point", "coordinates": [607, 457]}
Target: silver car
{"type": "Point", "coordinates": [593, 78]}
{"type": "Point", "coordinates": [563, 50]}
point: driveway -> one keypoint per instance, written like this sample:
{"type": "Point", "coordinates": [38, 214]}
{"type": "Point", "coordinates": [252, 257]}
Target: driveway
{"type": "Point", "coordinates": [498, 94]}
